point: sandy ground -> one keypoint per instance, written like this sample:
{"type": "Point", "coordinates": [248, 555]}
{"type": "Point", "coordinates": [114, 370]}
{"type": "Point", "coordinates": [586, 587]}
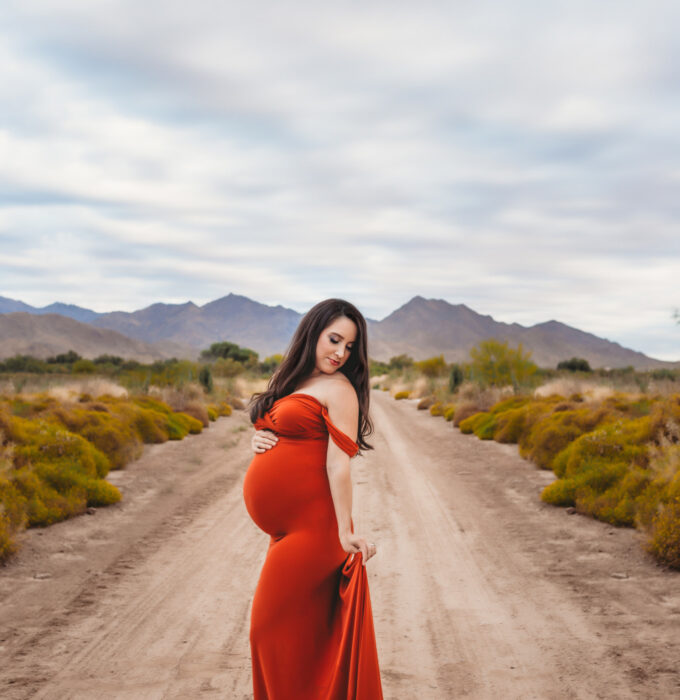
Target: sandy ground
{"type": "Point", "coordinates": [478, 589]}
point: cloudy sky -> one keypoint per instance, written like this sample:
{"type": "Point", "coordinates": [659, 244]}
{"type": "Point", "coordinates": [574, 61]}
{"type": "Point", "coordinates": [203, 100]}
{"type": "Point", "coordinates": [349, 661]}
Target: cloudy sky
{"type": "Point", "coordinates": [522, 158]}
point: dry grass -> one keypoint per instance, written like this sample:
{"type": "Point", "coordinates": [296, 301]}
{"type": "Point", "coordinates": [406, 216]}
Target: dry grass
{"type": "Point", "coordinates": [93, 386]}
{"type": "Point", "coordinates": [378, 379]}
{"type": "Point", "coordinates": [245, 387]}
{"type": "Point", "coordinates": [421, 387]}
{"type": "Point", "coordinates": [178, 398]}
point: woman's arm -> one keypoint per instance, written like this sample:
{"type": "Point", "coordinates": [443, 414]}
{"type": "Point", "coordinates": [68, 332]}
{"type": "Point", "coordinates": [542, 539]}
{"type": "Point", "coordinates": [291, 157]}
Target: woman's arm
{"type": "Point", "coordinates": [343, 410]}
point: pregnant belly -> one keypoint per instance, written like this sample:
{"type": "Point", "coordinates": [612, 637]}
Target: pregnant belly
{"type": "Point", "coordinates": [287, 487]}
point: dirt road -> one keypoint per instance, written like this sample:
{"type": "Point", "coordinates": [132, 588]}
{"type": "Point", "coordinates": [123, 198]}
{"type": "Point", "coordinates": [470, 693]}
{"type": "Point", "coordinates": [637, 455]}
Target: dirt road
{"type": "Point", "coordinates": [478, 589]}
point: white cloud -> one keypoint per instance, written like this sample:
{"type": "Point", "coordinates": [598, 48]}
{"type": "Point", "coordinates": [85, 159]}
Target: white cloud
{"type": "Point", "coordinates": [521, 158]}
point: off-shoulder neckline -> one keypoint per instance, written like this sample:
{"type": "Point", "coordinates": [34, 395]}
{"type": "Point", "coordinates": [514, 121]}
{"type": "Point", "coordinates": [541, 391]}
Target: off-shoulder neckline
{"type": "Point", "coordinates": [309, 396]}
{"type": "Point", "coordinates": [299, 393]}
{"type": "Point", "coordinates": [324, 408]}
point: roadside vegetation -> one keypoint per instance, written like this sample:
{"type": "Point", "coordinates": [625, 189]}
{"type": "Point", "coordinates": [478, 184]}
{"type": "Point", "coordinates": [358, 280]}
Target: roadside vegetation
{"type": "Point", "coordinates": [66, 421]}
{"type": "Point", "coordinates": [612, 437]}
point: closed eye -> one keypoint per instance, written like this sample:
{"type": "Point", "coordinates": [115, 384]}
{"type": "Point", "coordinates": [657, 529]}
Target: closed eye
{"type": "Point", "coordinates": [335, 342]}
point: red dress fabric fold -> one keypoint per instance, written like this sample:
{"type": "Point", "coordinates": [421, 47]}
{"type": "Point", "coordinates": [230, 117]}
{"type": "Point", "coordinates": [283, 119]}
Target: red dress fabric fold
{"type": "Point", "coordinates": [311, 629]}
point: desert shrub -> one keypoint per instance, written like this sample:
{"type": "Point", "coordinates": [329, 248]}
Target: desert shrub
{"type": "Point", "coordinates": [12, 516]}
{"type": "Point", "coordinates": [179, 425]}
{"type": "Point", "coordinates": [508, 404]}
{"type": "Point", "coordinates": [232, 351]}
{"type": "Point", "coordinates": [510, 425]}
{"type": "Point", "coordinates": [449, 411]}
{"type": "Point", "coordinates": [485, 427]}
{"type": "Point", "coordinates": [213, 415]}
{"type": "Point", "coordinates": [112, 431]}
{"type": "Point", "coordinates": [46, 441]}
{"type": "Point", "coordinates": [575, 364]}
{"type": "Point", "coordinates": [150, 425]}
{"type": "Point", "coordinates": [536, 419]}
{"type": "Point", "coordinates": [610, 494]}
{"type": "Point", "coordinates": [7, 543]}
{"type": "Point", "coordinates": [198, 411]}
{"type": "Point", "coordinates": [236, 403]}
{"type": "Point", "coordinates": [177, 429]}
{"type": "Point", "coordinates": [437, 409]}
{"type": "Point", "coordinates": [621, 441]}
{"type": "Point", "coordinates": [664, 538]}
{"type": "Point", "coordinates": [606, 472]}
{"type": "Point", "coordinates": [663, 374]}
{"type": "Point", "coordinates": [482, 424]}
{"type": "Point", "coordinates": [551, 433]}
{"type": "Point", "coordinates": [402, 395]}
{"type": "Point", "coordinates": [152, 403]}
{"type": "Point", "coordinates": [224, 409]}
{"type": "Point", "coordinates": [464, 409]}
{"type": "Point", "coordinates": [84, 367]}
{"type": "Point", "coordinates": [400, 362]}
{"type": "Point", "coordinates": [23, 363]}
{"type": "Point", "coordinates": [426, 402]}
{"type": "Point", "coordinates": [228, 367]}
{"type": "Point", "coordinates": [432, 367]}
{"type": "Point", "coordinates": [467, 425]}
{"type": "Point", "coordinates": [101, 493]}
{"type": "Point", "coordinates": [561, 492]}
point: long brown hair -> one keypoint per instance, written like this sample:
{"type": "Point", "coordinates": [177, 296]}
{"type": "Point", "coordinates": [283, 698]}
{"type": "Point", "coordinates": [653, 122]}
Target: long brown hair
{"type": "Point", "coordinates": [300, 360]}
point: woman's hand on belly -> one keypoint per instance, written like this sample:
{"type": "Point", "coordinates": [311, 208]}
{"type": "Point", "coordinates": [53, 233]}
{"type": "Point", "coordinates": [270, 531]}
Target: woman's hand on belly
{"type": "Point", "coordinates": [263, 440]}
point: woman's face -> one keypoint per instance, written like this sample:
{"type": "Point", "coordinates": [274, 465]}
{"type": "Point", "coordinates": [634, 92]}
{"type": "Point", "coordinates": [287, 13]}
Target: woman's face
{"type": "Point", "coordinates": [335, 344]}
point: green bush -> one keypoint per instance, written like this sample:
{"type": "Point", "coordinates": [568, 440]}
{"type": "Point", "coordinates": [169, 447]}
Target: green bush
{"type": "Point", "coordinates": [437, 409]}
{"type": "Point", "coordinates": [205, 379]}
{"type": "Point", "coordinates": [496, 364]}
{"type": "Point", "coordinates": [456, 377]}
{"type": "Point", "coordinates": [84, 367]}
{"type": "Point", "coordinates": [432, 367]}
{"type": "Point", "coordinates": [575, 364]}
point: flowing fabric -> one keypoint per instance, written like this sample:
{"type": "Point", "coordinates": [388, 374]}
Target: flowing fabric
{"type": "Point", "coordinates": [311, 626]}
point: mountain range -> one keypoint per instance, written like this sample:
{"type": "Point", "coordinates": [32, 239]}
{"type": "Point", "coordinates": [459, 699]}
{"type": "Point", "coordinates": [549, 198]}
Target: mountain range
{"type": "Point", "coordinates": [420, 328]}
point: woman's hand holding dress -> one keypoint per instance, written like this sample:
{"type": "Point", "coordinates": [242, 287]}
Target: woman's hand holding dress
{"type": "Point", "coordinates": [355, 543]}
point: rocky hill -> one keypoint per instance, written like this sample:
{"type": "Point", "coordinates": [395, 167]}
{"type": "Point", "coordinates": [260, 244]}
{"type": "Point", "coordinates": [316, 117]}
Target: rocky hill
{"type": "Point", "coordinates": [420, 328]}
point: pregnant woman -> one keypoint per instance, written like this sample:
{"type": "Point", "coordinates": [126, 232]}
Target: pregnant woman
{"type": "Point", "coordinates": [311, 627]}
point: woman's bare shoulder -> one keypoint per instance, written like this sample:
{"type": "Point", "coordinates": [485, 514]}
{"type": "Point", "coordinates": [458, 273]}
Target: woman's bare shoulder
{"type": "Point", "coordinates": [334, 389]}
{"type": "Point", "coordinates": [340, 392]}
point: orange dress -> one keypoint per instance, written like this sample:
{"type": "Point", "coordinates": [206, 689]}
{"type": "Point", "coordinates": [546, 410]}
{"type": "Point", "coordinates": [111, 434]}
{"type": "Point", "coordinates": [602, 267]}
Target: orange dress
{"type": "Point", "coordinates": [311, 625]}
